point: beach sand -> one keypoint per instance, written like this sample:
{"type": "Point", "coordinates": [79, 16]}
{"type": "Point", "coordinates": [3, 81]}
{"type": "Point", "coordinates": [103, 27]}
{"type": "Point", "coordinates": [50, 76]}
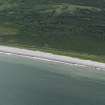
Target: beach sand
{"type": "Point", "coordinates": [51, 57]}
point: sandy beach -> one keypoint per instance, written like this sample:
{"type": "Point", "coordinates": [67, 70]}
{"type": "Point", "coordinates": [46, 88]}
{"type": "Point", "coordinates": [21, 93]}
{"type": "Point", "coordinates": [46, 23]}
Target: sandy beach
{"type": "Point", "coordinates": [51, 57]}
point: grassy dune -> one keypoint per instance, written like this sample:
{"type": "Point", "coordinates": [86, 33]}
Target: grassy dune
{"type": "Point", "coordinates": [69, 27]}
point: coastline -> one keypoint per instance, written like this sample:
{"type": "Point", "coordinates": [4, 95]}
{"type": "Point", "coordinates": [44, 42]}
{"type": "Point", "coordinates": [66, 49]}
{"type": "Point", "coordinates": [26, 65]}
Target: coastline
{"type": "Point", "coordinates": [51, 57]}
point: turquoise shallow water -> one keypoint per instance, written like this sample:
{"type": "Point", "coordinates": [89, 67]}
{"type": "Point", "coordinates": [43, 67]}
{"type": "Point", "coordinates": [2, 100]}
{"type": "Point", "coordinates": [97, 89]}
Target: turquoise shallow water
{"type": "Point", "coordinates": [27, 82]}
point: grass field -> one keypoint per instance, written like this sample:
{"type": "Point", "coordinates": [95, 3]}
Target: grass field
{"type": "Point", "coordinates": [68, 27]}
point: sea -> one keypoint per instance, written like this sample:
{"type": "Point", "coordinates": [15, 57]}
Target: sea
{"type": "Point", "coordinates": [34, 82]}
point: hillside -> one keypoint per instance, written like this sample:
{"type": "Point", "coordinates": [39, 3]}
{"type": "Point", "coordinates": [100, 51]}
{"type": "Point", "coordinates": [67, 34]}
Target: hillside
{"type": "Point", "coordinates": [70, 27]}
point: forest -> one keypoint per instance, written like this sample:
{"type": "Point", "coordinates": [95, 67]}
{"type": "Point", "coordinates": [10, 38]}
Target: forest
{"type": "Point", "coordinates": [69, 27]}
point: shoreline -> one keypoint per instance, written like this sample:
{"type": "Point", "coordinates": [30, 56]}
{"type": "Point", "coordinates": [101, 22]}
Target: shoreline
{"type": "Point", "coordinates": [38, 55]}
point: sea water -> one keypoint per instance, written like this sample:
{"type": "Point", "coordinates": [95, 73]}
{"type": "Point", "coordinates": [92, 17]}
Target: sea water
{"type": "Point", "coordinates": [34, 82]}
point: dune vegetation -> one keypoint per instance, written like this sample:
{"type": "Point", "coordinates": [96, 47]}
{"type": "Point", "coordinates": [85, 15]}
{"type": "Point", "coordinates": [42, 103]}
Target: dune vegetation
{"type": "Point", "coordinates": [68, 27]}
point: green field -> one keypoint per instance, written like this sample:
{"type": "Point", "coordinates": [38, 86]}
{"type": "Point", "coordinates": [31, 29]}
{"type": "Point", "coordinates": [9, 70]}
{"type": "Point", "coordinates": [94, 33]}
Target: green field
{"type": "Point", "coordinates": [68, 27]}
